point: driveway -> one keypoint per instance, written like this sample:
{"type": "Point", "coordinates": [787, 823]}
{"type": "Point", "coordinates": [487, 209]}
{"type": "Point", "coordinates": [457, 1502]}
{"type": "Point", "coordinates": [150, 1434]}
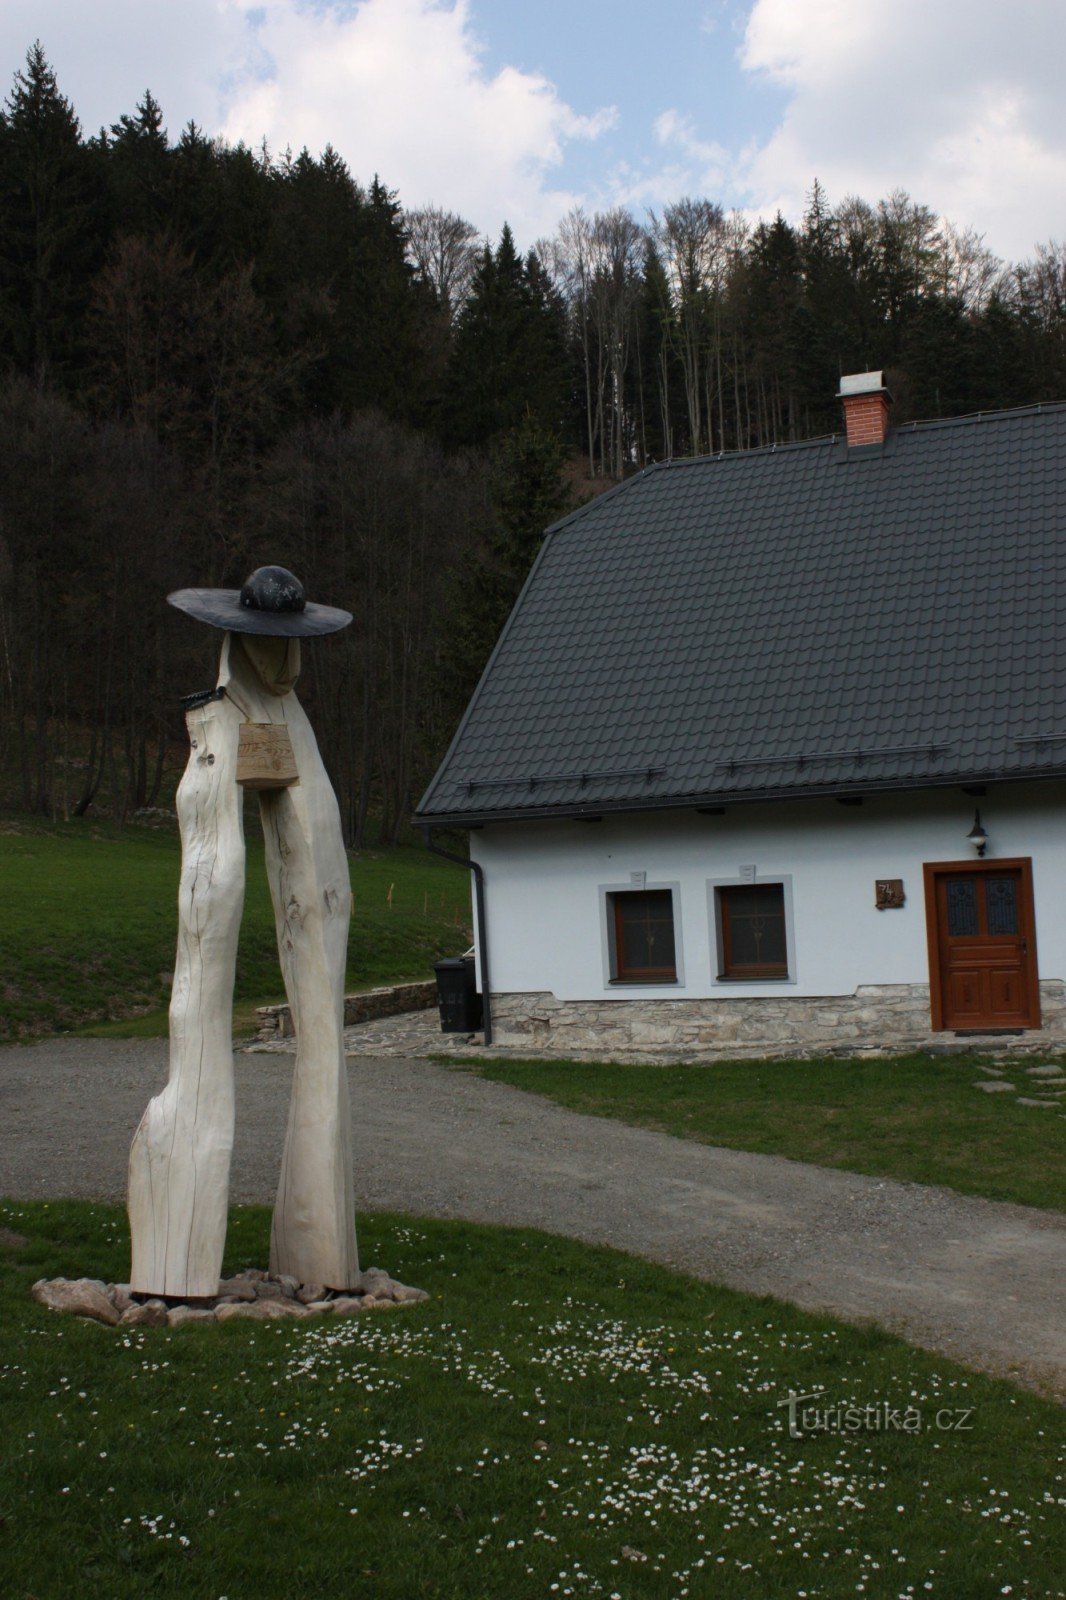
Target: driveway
{"type": "Point", "coordinates": [972, 1279]}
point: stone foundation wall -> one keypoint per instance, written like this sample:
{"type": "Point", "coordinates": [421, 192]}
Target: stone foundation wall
{"type": "Point", "coordinates": [275, 1022]}
{"type": "Point", "coordinates": [878, 1019]}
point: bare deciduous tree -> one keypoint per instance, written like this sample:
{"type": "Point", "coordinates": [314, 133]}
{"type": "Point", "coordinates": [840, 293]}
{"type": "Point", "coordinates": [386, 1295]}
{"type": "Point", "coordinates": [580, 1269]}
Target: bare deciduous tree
{"type": "Point", "coordinates": [443, 248]}
{"type": "Point", "coordinates": [692, 239]}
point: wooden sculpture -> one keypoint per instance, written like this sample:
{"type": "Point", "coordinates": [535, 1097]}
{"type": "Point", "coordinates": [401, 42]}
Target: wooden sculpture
{"type": "Point", "coordinates": [251, 731]}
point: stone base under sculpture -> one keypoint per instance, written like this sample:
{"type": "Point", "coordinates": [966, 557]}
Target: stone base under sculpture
{"type": "Point", "coordinates": [253, 1296]}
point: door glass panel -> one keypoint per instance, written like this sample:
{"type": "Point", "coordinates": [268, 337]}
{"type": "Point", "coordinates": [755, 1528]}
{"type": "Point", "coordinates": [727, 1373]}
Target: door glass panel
{"type": "Point", "coordinates": [1001, 904]}
{"type": "Point", "coordinates": [962, 907]}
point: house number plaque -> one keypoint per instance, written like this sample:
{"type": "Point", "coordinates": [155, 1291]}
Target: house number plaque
{"type": "Point", "coordinates": [889, 893]}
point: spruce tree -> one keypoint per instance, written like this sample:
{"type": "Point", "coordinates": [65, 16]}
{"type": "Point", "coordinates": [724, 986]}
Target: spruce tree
{"type": "Point", "coordinates": [509, 356]}
{"type": "Point", "coordinates": [139, 170]}
{"type": "Point", "coordinates": [529, 492]}
{"type": "Point", "coordinates": [49, 225]}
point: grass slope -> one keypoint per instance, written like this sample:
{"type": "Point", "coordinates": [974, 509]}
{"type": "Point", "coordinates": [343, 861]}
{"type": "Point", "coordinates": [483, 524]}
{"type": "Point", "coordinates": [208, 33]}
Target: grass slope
{"type": "Point", "coordinates": [90, 918]}
{"type": "Point", "coordinates": [556, 1421]}
{"type": "Point", "coordinates": [914, 1117]}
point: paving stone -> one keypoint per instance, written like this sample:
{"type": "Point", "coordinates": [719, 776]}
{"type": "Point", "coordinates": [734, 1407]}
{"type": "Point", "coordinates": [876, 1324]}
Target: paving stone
{"type": "Point", "coordinates": [995, 1086]}
{"type": "Point", "coordinates": [1022, 1101]}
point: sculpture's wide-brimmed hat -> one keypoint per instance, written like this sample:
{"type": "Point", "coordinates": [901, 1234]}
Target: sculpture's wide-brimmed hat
{"type": "Point", "coordinates": [272, 602]}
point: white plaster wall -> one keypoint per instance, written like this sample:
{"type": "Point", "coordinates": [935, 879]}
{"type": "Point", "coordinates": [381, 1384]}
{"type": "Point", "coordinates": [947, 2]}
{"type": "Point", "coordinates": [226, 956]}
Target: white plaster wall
{"type": "Point", "coordinates": [543, 904]}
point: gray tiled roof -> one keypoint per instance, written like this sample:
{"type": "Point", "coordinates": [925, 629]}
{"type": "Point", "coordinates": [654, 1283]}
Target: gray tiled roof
{"type": "Point", "coordinates": [785, 621]}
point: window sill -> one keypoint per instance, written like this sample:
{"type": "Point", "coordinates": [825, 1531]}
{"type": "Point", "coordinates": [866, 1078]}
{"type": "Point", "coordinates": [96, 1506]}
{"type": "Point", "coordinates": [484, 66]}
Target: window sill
{"type": "Point", "coordinates": [642, 983]}
{"type": "Point", "coordinates": [775, 978]}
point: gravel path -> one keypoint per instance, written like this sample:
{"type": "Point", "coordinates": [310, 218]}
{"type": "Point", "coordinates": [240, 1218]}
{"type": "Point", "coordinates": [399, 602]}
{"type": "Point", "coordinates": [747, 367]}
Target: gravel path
{"type": "Point", "coordinates": [972, 1279]}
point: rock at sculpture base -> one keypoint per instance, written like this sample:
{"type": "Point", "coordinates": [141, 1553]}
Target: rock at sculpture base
{"type": "Point", "coordinates": [251, 1296]}
{"type": "Point", "coordinates": [81, 1297]}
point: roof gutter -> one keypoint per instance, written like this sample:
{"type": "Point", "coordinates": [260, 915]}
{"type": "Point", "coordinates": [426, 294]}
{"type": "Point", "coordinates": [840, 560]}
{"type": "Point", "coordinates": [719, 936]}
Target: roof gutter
{"type": "Point", "coordinates": [593, 810]}
{"type": "Point", "coordinates": [482, 932]}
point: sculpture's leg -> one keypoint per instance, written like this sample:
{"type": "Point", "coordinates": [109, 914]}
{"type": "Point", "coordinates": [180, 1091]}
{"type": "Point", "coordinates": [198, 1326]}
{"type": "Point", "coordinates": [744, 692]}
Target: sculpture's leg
{"type": "Point", "coordinates": [313, 1232]}
{"type": "Point", "coordinates": [180, 1159]}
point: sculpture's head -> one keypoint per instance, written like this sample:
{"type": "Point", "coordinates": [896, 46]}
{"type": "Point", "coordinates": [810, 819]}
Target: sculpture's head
{"type": "Point", "coordinates": [271, 604]}
{"type": "Point", "coordinates": [275, 662]}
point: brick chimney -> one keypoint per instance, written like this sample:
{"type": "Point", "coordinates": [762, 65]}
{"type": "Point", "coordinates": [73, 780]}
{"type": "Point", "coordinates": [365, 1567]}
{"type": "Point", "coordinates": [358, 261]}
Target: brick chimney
{"type": "Point", "coordinates": [866, 403]}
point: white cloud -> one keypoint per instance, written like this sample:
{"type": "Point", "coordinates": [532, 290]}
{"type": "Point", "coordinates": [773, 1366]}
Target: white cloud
{"type": "Point", "coordinates": [691, 165]}
{"type": "Point", "coordinates": [957, 101]}
{"type": "Point", "coordinates": [399, 87]}
{"type": "Point", "coordinates": [671, 128]}
{"type": "Point", "coordinates": [106, 54]}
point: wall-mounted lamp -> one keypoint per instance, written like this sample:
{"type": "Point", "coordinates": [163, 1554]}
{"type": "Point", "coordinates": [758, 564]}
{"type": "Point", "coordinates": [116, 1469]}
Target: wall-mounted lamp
{"type": "Point", "coordinates": [977, 835]}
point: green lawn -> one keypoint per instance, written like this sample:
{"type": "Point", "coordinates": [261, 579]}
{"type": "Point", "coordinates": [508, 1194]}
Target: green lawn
{"type": "Point", "coordinates": [555, 1421]}
{"type": "Point", "coordinates": [915, 1117]}
{"type": "Point", "coordinates": [90, 920]}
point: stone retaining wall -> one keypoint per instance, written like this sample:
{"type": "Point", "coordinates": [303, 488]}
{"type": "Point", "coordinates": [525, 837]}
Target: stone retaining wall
{"type": "Point", "coordinates": [877, 1019]}
{"type": "Point", "coordinates": [275, 1022]}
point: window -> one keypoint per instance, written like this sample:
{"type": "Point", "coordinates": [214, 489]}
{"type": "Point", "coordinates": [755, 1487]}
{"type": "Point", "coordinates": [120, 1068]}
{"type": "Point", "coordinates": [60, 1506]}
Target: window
{"type": "Point", "coordinates": [642, 923]}
{"type": "Point", "coordinates": [752, 931]}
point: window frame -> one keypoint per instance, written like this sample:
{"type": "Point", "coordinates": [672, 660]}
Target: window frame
{"type": "Point", "coordinates": [719, 918]}
{"type": "Point", "coordinates": [608, 893]}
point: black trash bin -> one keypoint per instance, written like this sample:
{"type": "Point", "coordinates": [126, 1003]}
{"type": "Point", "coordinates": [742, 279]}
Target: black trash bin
{"type": "Point", "coordinates": [457, 996]}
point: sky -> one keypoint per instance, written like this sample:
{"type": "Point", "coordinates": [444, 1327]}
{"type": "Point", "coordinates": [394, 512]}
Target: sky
{"type": "Point", "coordinates": [519, 110]}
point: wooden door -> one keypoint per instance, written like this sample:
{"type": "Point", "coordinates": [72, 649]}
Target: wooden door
{"type": "Point", "coordinates": [982, 945]}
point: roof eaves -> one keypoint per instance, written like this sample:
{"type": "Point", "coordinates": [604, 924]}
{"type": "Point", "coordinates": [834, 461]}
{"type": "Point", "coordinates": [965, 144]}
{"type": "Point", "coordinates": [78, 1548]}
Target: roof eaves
{"type": "Point", "coordinates": [688, 802]}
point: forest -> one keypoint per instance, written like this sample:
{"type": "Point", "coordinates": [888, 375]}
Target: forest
{"type": "Point", "coordinates": [213, 357]}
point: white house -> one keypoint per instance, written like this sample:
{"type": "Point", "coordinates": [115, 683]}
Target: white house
{"type": "Point", "coordinates": [771, 754]}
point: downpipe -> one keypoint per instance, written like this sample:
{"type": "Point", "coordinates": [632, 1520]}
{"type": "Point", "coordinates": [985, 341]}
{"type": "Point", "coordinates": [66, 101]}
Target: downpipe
{"type": "Point", "coordinates": [482, 935]}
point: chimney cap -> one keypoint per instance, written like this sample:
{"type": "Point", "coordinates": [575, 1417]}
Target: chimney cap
{"type": "Point", "coordinates": [862, 383]}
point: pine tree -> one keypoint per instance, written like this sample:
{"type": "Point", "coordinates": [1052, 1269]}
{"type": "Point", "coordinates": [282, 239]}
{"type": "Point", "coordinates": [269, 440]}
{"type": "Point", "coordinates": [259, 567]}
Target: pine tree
{"type": "Point", "coordinates": [139, 170]}
{"type": "Point", "coordinates": [775, 289]}
{"type": "Point", "coordinates": [382, 313]}
{"type": "Point", "coordinates": [509, 357]}
{"type": "Point", "coordinates": [826, 344]}
{"type": "Point", "coordinates": [49, 225]}
{"type": "Point", "coordinates": [529, 492]}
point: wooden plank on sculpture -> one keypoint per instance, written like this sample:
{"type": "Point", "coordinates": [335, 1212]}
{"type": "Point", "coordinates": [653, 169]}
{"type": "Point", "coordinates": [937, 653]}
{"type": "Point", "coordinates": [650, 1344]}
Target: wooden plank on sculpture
{"type": "Point", "coordinates": [265, 758]}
